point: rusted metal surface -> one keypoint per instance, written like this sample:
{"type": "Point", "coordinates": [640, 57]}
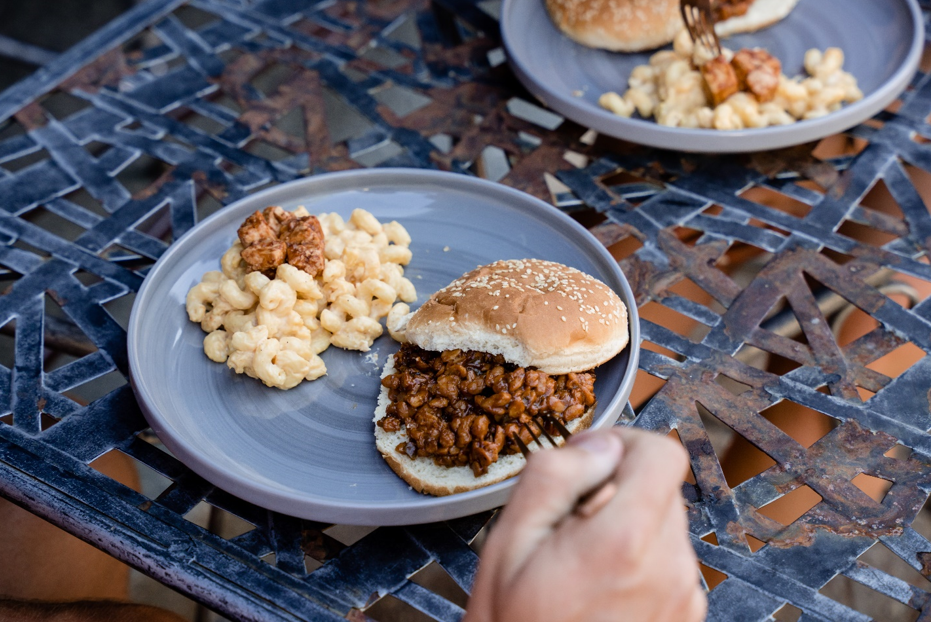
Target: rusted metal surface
{"type": "Point", "coordinates": [754, 258]}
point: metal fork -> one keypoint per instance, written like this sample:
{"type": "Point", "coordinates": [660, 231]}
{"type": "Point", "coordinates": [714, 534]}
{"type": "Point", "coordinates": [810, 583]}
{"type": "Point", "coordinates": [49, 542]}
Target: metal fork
{"type": "Point", "coordinates": [591, 502]}
{"type": "Point", "coordinates": [699, 20]}
{"type": "Point", "coordinates": [547, 419]}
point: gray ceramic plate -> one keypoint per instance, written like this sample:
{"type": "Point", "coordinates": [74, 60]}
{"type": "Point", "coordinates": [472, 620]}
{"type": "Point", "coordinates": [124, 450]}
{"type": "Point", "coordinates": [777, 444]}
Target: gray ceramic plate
{"type": "Point", "coordinates": [310, 451]}
{"type": "Point", "coordinates": [882, 41]}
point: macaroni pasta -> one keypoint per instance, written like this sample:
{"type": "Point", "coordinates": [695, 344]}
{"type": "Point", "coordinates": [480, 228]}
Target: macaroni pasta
{"type": "Point", "coordinates": [275, 329]}
{"type": "Point", "coordinates": [671, 89]}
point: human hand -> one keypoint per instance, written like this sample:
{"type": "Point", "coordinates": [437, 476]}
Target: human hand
{"type": "Point", "coordinates": [629, 559]}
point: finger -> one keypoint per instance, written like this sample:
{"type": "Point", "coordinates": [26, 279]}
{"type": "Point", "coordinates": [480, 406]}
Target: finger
{"type": "Point", "coordinates": [595, 501]}
{"type": "Point", "coordinates": [648, 481]}
{"type": "Point", "coordinates": [549, 489]}
{"type": "Point", "coordinates": [555, 480]}
{"type": "Point", "coordinates": [679, 568]}
{"type": "Point", "coordinates": [697, 607]}
{"type": "Point", "coordinates": [652, 470]}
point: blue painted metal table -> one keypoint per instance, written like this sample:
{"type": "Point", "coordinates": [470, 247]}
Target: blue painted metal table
{"type": "Point", "coordinates": [205, 101]}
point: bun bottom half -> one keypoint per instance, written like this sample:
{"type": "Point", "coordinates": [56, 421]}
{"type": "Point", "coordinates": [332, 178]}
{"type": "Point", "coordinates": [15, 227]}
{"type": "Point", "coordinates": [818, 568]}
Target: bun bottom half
{"type": "Point", "coordinates": [425, 476]}
{"type": "Point", "coordinates": [762, 13]}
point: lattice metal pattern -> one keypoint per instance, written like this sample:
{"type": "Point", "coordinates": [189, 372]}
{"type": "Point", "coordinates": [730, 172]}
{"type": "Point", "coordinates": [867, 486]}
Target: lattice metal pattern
{"type": "Point", "coordinates": [213, 99]}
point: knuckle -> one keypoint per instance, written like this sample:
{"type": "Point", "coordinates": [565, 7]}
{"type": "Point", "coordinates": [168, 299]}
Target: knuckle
{"type": "Point", "coordinates": [631, 540]}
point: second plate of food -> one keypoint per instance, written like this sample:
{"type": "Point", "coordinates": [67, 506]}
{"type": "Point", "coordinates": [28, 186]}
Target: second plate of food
{"type": "Point", "coordinates": [882, 43]}
{"type": "Point", "coordinates": [310, 451]}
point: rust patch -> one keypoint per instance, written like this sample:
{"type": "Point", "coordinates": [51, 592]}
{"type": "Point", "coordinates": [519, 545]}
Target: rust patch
{"type": "Point", "coordinates": [820, 519]}
{"type": "Point", "coordinates": [319, 545]}
{"type": "Point", "coordinates": [32, 116]}
{"type": "Point", "coordinates": [106, 70]}
{"type": "Point", "coordinates": [925, 559]}
{"type": "Point", "coordinates": [355, 614]}
{"type": "Point", "coordinates": [736, 532]}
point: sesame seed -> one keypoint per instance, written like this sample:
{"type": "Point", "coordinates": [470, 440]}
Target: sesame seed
{"type": "Point", "coordinates": [563, 318]}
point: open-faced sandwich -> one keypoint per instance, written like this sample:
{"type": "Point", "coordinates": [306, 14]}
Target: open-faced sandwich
{"type": "Point", "coordinates": [486, 357]}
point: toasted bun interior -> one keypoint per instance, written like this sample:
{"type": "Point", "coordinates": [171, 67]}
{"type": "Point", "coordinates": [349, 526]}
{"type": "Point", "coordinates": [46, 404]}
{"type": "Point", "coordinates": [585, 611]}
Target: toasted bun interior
{"type": "Point", "coordinates": [618, 25]}
{"type": "Point", "coordinates": [533, 312]}
{"type": "Point", "coordinates": [762, 13]}
{"type": "Point", "coordinates": [425, 476]}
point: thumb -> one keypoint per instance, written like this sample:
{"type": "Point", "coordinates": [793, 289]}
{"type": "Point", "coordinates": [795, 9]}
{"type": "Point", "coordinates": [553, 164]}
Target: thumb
{"type": "Point", "coordinates": [550, 486]}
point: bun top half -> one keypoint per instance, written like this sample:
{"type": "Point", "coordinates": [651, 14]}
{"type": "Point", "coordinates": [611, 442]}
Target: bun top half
{"type": "Point", "coordinates": [617, 25]}
{"type": "Point", "coordinates": [533, 312]}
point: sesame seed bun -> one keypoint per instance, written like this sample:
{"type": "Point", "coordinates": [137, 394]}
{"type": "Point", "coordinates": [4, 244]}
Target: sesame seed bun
{"type": "Point", "coordinates": [532, 312]}
{"type": "Point", "coordinates": [617, 25]}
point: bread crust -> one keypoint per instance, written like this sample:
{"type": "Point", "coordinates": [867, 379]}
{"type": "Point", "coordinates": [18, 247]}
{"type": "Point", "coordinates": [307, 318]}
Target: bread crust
{"type": "Point", "coordinates": [425, 476]}
{"type": "Point", "coordinates": [535, 313]}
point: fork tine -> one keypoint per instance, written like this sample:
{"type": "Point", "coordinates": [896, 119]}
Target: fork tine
{"type": "Point", "coordinates": [708, 28]}
{"type": "Point", "coordinates": [701, 37]}
{"type": "Point", "coordinates": [529, 427]}
{"type": "Point", "coordinates": [688, 15]}
{"type": "Point", "coordinates": [699, 21]}
{"type": "Point", "coordinates": [546, 419]}
{"type": "Point", "coordinates": [547, 435]}
{"type": "Point", "coordinates": [559, 426]}
{"type": "Point", "coordinates": [708, 40]}
{"type": "Point", "coordinates": [520, 444]}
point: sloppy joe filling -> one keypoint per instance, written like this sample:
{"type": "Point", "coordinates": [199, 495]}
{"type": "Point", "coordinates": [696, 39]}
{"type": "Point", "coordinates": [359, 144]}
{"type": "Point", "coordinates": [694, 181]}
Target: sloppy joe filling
{"type": "Point", "coordinates": [463, 407]}
{"type": "Point", "coordinates": [726, 9]}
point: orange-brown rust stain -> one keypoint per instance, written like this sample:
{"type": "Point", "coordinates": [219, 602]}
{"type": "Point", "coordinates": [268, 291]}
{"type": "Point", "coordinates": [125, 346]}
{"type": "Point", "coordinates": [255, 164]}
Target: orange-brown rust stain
{"type": "Point", "coordinates": [107, 70]}
{"type": "Point", "coordinates": [32, 116]}
{"type": "Point", "coordinates": [925, 559]}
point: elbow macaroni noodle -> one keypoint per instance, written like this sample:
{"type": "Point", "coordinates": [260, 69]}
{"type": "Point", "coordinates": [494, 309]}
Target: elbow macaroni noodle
{"type": "Point", "coordinates": [275, 329]}
{"type": "Point", "coordinates": [671, 90]}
